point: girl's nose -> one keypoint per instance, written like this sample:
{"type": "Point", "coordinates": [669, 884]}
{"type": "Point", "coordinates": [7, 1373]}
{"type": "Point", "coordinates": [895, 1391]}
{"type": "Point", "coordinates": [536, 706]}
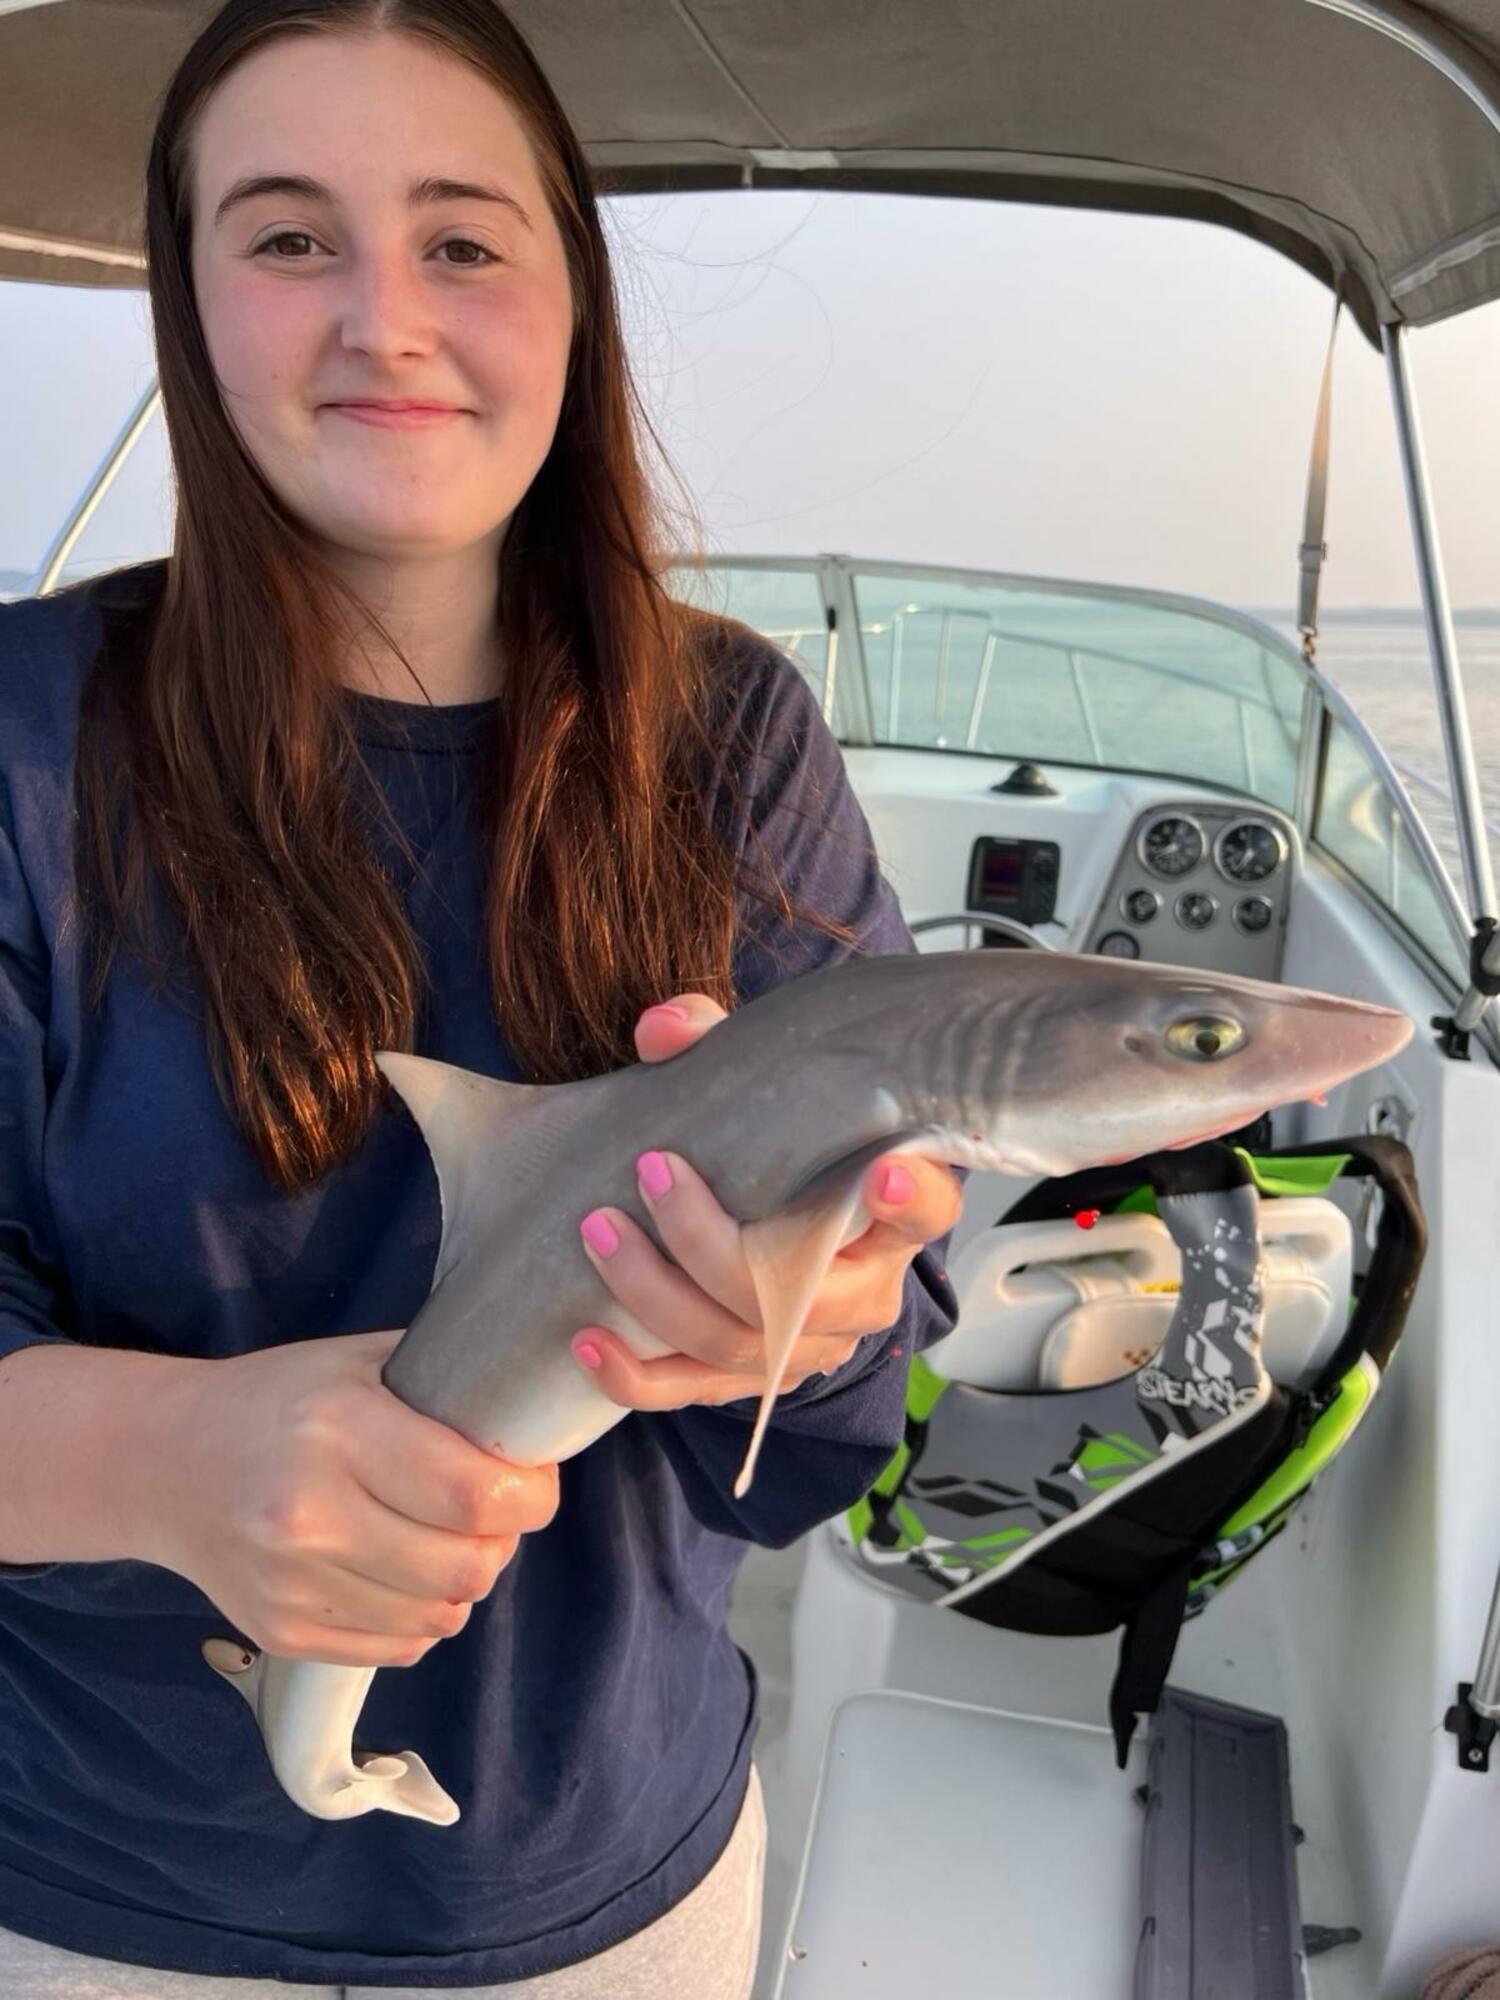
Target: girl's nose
{"type": "Point", "coordinates": [385, 309]}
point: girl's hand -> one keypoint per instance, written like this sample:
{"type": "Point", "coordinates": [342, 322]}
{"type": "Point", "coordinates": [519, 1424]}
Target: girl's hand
{"type": "Point", "coordinates": [323, 1516]}
{"type": "Point", "coordinates": [704, 1305]}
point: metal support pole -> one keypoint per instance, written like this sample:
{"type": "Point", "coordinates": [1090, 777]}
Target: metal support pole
{"type": "Point", "coordinates": [1085, 709]}
{"type": "Point", "coordinates": [51, 567]}
{"type": "Point", "coordinates": [852, 717]}
{"type": "Point", "coordinates": [1475, 1717]}
{"type": "Point", "coordinates": [893, 706]}
{"type": "Point", "coordinates": [1433, 40]}
{"type": "Point", "coordinates": [1473, 846]}
{"type": "Point", "coordinates": [830, 662]}
{"type": "Point", "coordinates": [981, 689]}
{"type": "Point", "coordinates": [1484, 1698]}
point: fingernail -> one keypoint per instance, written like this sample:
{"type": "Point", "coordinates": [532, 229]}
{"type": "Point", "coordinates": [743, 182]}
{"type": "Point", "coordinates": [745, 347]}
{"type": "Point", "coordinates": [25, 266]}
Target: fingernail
{"type": "Point", "coordinates": [666, 1007]}
{"type": "Point", "coordinates": [600, 1234]}
{"type": "Point", "coordinates": [655, 1174]}
{"type": "Point", "coordinates": [586, 1352]}
{"type": "Point", "coordinates": [896, 1185]}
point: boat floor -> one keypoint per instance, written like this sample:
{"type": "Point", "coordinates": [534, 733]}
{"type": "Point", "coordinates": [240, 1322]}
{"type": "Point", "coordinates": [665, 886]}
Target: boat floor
{"type": "Point", "coordinates": [1025, 1676]}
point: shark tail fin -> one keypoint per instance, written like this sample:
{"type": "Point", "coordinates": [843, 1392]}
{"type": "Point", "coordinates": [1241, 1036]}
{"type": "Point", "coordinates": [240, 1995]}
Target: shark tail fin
{"type": "Point", "coordinates": [306, 1710]}
{"type": "Point", "coordinates": [788, 1254]}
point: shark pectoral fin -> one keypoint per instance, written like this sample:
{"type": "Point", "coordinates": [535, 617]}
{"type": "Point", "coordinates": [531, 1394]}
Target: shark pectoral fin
{"type": "Point", "coordinates": [789, 1254]}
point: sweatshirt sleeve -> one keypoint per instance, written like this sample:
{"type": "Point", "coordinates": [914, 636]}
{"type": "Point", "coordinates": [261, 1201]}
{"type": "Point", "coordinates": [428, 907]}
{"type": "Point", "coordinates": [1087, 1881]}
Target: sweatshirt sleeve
{"type": "Point", "coordinates": [31, 1288]}
{"type": "Point", "coordinates": [33, 1305]}
{"type": "Point", "coordinates": [829, 1439]}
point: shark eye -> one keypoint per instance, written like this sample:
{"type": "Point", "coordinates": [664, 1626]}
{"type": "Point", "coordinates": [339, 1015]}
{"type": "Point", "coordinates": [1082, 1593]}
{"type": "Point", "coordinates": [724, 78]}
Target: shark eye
{"type": "Point", "coordinates": [1205, 1038]}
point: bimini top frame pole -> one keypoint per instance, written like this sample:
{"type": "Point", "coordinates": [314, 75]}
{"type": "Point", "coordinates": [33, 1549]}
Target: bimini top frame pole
{"type": "Point", "coordinates": [63, 542]}
{"type": "Point", "coordinates": [1427, 38]}
{"type": "Point", "coordinates": [1436, 44]}
{"type": "Point", "coordinates": [1479, 883]}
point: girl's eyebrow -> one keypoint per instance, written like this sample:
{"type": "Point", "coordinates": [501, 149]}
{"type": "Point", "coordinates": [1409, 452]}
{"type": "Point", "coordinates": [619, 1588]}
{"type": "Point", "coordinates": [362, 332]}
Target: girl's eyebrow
{"type": "Point", "coordinates": [420, 193]}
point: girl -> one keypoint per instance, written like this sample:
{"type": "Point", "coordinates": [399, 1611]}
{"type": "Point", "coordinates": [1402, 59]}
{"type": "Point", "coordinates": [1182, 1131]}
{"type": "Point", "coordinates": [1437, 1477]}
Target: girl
{"type": "Point", "coordinates": [405, 746]}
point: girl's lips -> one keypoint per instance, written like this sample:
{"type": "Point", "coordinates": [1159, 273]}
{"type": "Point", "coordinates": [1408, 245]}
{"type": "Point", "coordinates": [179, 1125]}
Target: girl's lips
{"type": "Point", "coordinates": [409, 419]}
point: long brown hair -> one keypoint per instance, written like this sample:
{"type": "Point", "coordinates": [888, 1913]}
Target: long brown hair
{"type": "Point", "coordinates": [221, 730]}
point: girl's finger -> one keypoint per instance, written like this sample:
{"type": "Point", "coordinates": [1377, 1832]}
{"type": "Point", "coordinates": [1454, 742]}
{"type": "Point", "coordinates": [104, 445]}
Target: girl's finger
{"type": "Point", "coordinates": [918, 1199]}
{"type": "Point", "coordinates": [677, 1309]}
{"type": "Point", "coordinates": [674, 1025]}
{"type": "Point", "coordinates": [672, 1382]}
{"type": "Point", "coordinates": [698, 1234]}
{"type": "Point", "coordinates": [704, 1304]}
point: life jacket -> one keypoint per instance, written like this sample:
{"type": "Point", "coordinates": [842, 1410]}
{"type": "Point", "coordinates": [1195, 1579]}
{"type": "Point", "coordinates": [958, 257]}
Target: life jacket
{"type": "Point", "coordinates": [1130, 1502]}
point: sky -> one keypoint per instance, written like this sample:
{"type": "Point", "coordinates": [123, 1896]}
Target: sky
{"type": "Point", "coordinates": [1119, 399]}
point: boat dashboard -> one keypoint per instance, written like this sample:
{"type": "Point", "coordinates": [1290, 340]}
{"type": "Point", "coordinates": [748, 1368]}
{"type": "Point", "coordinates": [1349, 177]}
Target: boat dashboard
{"type": "Point", "coordinates": [1130, 866]}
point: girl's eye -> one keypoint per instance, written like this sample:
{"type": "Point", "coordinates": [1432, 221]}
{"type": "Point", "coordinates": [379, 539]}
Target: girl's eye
{"type": "Point", "coordinates": [286, 236]}
{"type": "Point", "coordinates": [467, 243]}
{"type": "Point", "coordinates": [466, 263]}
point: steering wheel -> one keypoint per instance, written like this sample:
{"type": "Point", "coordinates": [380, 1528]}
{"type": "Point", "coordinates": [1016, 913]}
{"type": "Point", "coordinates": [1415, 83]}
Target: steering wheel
{"type": "Point", "coordinates": [1007, 927]}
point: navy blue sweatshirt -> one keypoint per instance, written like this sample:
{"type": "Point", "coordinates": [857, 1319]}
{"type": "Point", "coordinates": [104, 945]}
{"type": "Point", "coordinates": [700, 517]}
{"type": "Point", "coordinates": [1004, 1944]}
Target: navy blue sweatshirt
{"type": "Point", "coordinates": [593, 1718]}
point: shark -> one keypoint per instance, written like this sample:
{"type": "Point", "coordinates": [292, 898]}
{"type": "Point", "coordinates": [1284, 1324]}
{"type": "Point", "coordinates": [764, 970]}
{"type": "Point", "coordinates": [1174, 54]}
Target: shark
{"type": "Point", "coordinates": [1022, 1063]}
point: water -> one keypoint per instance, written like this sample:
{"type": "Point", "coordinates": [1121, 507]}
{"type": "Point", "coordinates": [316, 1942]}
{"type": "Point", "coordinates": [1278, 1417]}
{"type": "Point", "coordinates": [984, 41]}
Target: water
{"type": "Point", "coordinates": [1379, 662]}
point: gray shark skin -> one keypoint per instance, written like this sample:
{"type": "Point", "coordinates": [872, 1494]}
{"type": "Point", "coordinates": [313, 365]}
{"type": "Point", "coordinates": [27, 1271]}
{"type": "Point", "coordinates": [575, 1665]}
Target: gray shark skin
{"type": "Point", "coordinates": [1018, 1062]}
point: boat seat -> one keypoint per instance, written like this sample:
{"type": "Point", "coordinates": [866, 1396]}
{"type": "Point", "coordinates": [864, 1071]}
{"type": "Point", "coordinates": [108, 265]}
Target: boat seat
{"type": "Point", "coordinates": [1104, 1442]}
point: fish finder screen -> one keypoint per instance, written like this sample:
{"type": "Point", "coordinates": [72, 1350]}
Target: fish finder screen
{"type": "Point", "coordinates": [1015, 878]}
{"type": "Point", "coordinates": [1000, 873]}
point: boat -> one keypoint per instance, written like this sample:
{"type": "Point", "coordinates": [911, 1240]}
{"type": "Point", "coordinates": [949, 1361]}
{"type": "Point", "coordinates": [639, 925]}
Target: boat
{"type": "Point", "coordinates": [1060, 764]}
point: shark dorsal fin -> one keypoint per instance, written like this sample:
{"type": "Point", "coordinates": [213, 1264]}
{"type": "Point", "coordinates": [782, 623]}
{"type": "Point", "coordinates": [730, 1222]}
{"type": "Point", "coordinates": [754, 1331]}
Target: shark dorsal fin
{"type": "Point", "coordinates": [459, 1114]}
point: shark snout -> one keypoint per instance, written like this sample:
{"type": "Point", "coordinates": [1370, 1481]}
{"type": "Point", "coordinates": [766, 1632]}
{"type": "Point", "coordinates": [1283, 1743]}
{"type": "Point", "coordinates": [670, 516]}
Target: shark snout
{"type": "Point", "coordinates": [1316, 1041]}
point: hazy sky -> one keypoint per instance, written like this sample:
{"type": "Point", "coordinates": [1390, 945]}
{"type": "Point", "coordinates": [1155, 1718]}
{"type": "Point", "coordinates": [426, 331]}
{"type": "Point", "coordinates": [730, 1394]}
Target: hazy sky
{"type": "Point", "coordinates": [1116, 398]}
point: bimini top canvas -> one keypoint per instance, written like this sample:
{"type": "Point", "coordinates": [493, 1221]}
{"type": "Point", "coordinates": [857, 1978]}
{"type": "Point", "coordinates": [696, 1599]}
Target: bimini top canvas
{"type": "Point", "coordinates": [1359, 137]}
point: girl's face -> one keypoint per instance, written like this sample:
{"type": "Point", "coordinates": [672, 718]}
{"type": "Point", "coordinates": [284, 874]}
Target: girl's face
{"type": "Point", "coordinates": [369, 226]}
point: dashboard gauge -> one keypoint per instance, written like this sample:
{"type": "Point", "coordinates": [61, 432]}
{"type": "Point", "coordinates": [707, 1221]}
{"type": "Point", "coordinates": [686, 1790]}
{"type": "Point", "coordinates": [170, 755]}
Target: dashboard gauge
{"type": "Point", "coordinates": [1119, 944]}
{"type": "Point", "coordinates": [1254, 914]}
{"type": "Point", "coordinates": [1140, 905]}
{"type": "Point", "coordinates": [1196, 912]}
{"type": "Point", "coordinates": [1172, 845]}
{"type": "Point", "coordinates": [1249, 851]}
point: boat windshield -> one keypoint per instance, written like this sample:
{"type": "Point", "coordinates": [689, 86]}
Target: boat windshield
{"type": "Point", "coordinates": [1066, 673]}
{"type": "Point", "coordinates": [1112, 679]}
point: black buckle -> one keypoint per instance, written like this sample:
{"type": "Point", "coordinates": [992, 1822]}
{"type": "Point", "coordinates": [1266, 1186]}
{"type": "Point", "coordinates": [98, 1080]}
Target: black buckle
{"type": "Point", "coordinates": [1452, 1039]}
{"type": "Point", "coordinates": [1475, 1732]}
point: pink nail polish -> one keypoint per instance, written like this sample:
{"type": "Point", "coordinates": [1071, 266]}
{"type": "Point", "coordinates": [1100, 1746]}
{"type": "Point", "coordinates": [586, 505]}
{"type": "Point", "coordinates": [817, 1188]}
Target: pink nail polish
{"type": "Point", "coordinates": [666, 1007]}
{"type": "Point", "coordinates": [586, 1352]}
{"type": "Point", "coordinates": [600, 1234]}
{"type": "Point", "coordinates": [655, 1174]}
{"type": "Point", "coordinates": [896, 1185]}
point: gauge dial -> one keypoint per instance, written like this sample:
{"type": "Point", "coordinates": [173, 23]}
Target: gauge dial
{"type": "Point", "coordinates": [1249, 851]}
{"type": "Point", "coordinates": [1254, 914]}
{"type": "Point", "coordinates": [1140, 905]}
{"type": "Point", "coordinates": [1119, 944]}
{"type": "Point", "coordinates": [1195, 912]}
{"type": "Point", "coordinates": [1172, 845]}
